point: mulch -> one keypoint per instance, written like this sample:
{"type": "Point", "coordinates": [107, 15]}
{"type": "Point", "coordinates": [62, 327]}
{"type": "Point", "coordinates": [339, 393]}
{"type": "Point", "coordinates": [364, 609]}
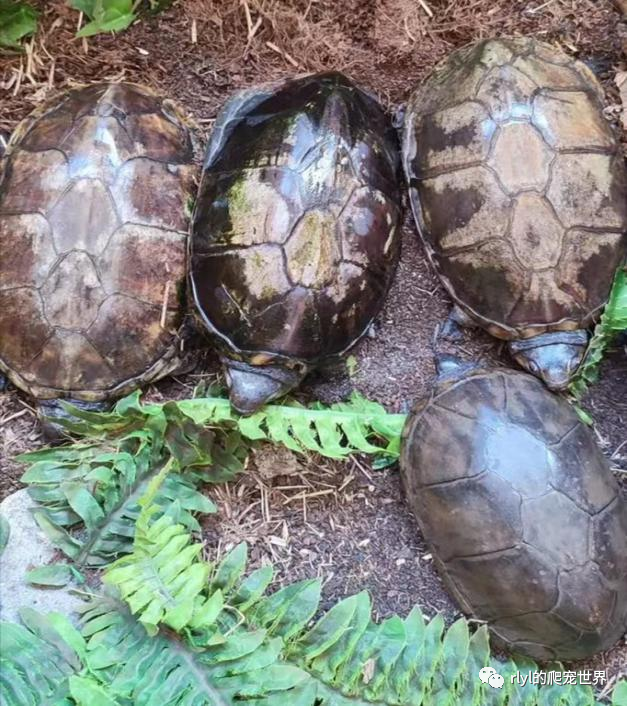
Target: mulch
{"type": "Point", "coordinates": [346, 523]}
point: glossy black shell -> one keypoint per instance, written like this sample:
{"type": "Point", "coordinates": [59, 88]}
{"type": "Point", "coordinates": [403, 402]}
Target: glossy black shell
{"type": "Point", "coordinates": [523, 515]}
{"type": "Point", "coordinates": [295, 236]}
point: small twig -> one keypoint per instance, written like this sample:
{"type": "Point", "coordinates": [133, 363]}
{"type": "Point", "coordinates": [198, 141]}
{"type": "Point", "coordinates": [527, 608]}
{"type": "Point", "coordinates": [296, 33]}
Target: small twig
{"type": "Point", "coordinates": [11, 417]}
{"type": "Point", "coordinates": [284, 54]}
{"type": "Point", "coordinates": [426, 7]}
{"type": "Point", "coordinates": [194, 32]}
{"type": "Point", "coordinates": [306, 496]}
{"type": "Point", "coordinates": [164, 307]}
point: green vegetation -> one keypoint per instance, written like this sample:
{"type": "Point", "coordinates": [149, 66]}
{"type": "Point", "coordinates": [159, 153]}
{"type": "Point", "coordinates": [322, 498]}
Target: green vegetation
{"type": "Point", "coordinates": [175, 630]}
{"type": "Point", "coordinates": [17, 20]}
{"type": "Point", "coordinates": [613, 321]}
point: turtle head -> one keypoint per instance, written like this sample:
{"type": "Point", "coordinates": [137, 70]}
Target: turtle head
{"type": "Point", "coordinates": [553, 357]}
{"type": "Point", "coordinates": [251, 386]}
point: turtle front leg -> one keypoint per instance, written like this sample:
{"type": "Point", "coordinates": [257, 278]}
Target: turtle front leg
{"type": "Point", "coordinates": [457, 319]}
{"type": "Point", "coordinates": [50, 413]}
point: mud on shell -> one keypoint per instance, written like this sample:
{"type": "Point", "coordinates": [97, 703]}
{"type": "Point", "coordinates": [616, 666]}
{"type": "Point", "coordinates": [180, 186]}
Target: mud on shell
{"type": "Point", "coordinates": [519, 190]}
{"type": "Point", "coordinates": [295, 235]}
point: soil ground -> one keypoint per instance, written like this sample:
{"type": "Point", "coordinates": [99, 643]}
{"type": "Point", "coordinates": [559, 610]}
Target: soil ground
{"type": "Point", "coordinates": [346, 523]}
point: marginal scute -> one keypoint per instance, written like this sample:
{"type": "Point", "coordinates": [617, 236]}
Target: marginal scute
{"type": "Point", "coordinates": [536, 234]}
{"type": "Point", "coordinates": [531, 172]}
{"type": "Point", "coordinates": [72, 302]}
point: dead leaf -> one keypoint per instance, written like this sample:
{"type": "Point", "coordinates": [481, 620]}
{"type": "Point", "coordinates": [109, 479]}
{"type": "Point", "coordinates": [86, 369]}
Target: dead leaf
{"type": "Point", "coordinates": [272, 461]}
{"type": "Point", "coordinates": [368, 670]}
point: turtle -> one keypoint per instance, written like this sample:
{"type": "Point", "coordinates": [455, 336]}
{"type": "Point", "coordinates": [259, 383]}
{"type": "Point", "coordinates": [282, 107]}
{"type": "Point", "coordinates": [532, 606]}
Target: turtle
{"type": "Point", "coordinates": [520, 509]}
{"type": "Point", "coordinates": [518, 188]}
{"type": "Point", "coordinates": [95, 193]}
{"type": "Point", "coordinates": [295, 235]}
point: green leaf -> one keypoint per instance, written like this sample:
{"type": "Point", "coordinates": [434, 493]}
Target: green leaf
{"type": "Point", "coordinates": [17, 20]}
{"type": "Point", "coordinates": [613, 320]}
{"type": "Point", "coordinates": [5, 533]}
{"type": "Point", "coordinates": [87, 692]}
{"type": "Point", "coordinates": [50, 575]}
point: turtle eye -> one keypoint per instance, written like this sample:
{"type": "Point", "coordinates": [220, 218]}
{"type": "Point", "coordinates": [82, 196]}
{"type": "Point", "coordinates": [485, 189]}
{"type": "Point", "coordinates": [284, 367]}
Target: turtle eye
{"type": "Point", "coordinates": [534, 367]}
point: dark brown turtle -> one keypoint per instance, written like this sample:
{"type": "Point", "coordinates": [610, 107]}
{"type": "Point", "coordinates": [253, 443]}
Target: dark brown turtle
{"type": "Point", "coordinates": [521, 511]}
{"type": "Point", "coordinates": [295, 236]}
{"type": "Point", "coordinates": [519, 191]}
{"type": "Point", "coordinates": [94, 193]}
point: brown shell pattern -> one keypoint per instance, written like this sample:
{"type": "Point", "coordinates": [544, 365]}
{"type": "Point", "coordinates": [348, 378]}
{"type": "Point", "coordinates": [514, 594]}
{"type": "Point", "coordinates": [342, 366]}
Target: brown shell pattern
{"type": "Point", "coordinates": [518, 186]}
{"type": "Point", "coordinates": [295, 238]}
{"type": "Point", "coordinates": [522, 513]}
{"type": "Point", "coordinates": [93, 200]}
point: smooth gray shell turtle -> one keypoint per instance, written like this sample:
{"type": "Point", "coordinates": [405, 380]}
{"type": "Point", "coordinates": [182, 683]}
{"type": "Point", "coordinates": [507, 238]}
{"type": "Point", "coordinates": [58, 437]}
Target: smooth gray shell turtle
{"type": "Point", "coordinates": [525, 521]}
{"type": "Point", "coordinates": [519, 192]}
{"type": "Point", "coordinates": [295, 235]}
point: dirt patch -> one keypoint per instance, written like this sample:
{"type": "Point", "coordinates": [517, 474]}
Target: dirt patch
{"type": "Point", "coordinates": [346, 523]}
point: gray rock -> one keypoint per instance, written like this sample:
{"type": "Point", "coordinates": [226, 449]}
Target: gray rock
{"type": "Point", "coordinates": [27, 548]}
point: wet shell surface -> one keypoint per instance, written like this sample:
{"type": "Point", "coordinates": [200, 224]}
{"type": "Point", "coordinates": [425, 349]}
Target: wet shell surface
{"type": "Point", "coordinates": [518, 186]}
{"type": "Point", "coordinates": [94, 194]}
{"type": "Point", "coordinates": [295, 236]}
{"type": "Point", "coordinates": [522, 513]}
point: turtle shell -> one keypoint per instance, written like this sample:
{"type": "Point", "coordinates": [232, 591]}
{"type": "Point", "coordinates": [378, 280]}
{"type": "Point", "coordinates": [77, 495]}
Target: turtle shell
{"type": "Point", "coordinates": [521, 512]}
{"type": "Point", "coordinates": [295, 236]}
{"type": "Point", "coordinates": [518, 186]}
{"type": "Point", "coordinates": [93, 198]}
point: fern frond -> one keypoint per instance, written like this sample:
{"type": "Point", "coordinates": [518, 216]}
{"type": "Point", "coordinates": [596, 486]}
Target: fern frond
{"type": "Point", "coordinates": [343, 658]}
{"type": "Point", "coordinates": [89, 494]}
{"type": "Point", "coordinates": [612, 322]}
{"type": "Point", "coordinates": [37, 658]}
